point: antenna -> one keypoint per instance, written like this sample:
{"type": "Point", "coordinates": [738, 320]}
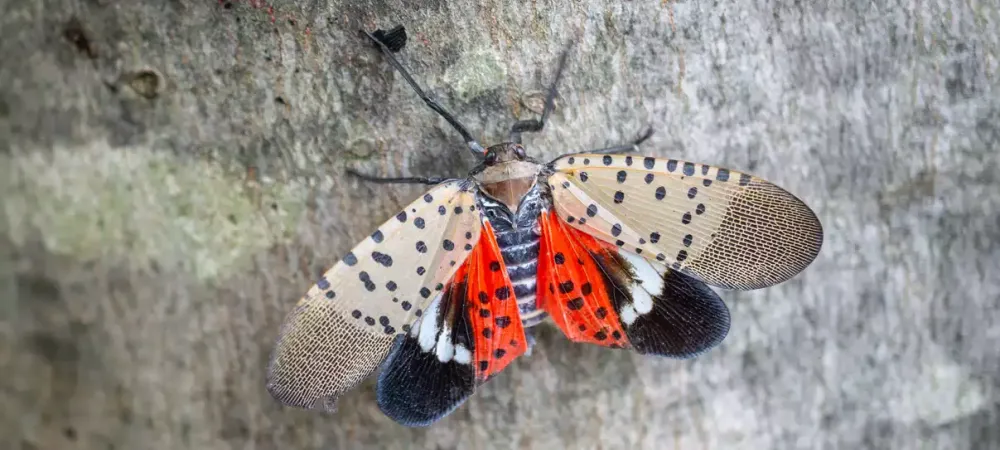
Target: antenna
{"type": "Point", "coordinates": [395, 39]}
{"type": "Point", "coordinates": [535, 125]}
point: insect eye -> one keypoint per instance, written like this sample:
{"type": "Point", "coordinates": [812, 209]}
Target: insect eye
{"type": "Point", "coordinates": [519, 152]}
{"type": "Point", "coordinates": [491, 158]}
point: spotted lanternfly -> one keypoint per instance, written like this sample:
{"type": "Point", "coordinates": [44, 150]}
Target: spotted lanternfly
{"type": "Point", "coordinates": [616, 249]}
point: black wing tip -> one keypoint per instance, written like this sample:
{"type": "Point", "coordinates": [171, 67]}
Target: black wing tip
{"type": "Point", "coordinates": [713, 336]}
{"type": "Point", "coordinates": [688, 320]}
{"type": "Point", "coordinates": [415, 389]}
{"type": "Point", "coordinates": [409, 415]}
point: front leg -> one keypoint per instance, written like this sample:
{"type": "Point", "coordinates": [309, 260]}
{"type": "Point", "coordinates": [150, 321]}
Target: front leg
{"type": "Point", "coordinates": [398, 180]}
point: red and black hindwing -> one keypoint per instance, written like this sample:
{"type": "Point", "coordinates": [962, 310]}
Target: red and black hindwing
{"type": "Point", "coordinates": [469, 333]}
{"type": "Point", "coordinates": [598, 293]}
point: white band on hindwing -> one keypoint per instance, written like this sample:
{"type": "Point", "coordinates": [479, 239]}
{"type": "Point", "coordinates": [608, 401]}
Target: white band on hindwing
{"type": "Point", "coordinates": [648, 283]}
{"type": "Point", "coordinates": [434, 336]}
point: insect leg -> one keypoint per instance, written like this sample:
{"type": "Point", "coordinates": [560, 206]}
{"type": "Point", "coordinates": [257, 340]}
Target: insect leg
{"type": "Point", "coordinates": [633, 147]}
{"type": "Point", "coordinates": [534, 125]}
{"type": "Point", "coordinates": [531, 342]}
{"type": "Point", "coordinates": [397, 180]}
{"type": "Point", "coordinates": [474, 146]}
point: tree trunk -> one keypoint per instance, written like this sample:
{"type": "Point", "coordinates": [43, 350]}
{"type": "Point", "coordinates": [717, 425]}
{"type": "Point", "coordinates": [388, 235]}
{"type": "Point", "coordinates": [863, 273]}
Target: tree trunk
{"type": "Point", "coordinates": [173, 179]}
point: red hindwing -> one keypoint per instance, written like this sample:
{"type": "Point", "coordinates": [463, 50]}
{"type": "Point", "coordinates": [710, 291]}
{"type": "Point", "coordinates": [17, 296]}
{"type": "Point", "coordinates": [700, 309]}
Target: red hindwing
{"type": "Point", "coordinates": [492, 308]}
{"type": "Point", "coordinates": [571, 285]}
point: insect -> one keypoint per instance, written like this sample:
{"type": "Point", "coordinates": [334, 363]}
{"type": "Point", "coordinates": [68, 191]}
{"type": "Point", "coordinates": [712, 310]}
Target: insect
{"type": "Point", "coordinates": [614, 248]}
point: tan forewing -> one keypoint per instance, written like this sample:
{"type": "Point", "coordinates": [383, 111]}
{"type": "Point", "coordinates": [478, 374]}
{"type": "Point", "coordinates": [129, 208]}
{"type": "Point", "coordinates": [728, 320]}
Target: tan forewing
{"type": "Point", "coordinates": [727, 228]}
{"type": "Point", "coordinates": [344, 326]}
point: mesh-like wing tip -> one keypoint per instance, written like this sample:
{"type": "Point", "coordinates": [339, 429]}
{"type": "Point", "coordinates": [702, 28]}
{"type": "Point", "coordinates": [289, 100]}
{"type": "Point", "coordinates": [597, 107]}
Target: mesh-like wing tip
{"type": "Point", "coordinates": [788, 237]}
{"type": "Point", "coordinates": [295, 399]}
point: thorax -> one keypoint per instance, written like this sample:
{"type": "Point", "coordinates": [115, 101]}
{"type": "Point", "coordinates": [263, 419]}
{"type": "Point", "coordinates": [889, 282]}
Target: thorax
{"type": "Point", "coordinates": [509, 182]}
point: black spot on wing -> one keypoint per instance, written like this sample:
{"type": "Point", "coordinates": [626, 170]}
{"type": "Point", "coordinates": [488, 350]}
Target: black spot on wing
{"type": "Point", "coordinates": [367, 280]}
{"type": "Point", "coordinates": [382, 259]}
{"type": "Point", "coordinates": [416, 389]}
{"type": "Point", "coordinates": [350, 259]}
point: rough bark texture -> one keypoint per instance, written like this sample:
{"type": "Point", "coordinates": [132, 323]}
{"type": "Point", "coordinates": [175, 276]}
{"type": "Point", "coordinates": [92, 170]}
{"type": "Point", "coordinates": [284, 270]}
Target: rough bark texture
{"type": "Point", "coordinates": [173, 180]}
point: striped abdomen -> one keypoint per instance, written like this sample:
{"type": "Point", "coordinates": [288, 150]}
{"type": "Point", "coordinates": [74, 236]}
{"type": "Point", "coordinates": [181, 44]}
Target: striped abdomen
{"type": "Point", "coordinates": [518, 238]}
{"type": "Point", "coordinates": [519, 247]}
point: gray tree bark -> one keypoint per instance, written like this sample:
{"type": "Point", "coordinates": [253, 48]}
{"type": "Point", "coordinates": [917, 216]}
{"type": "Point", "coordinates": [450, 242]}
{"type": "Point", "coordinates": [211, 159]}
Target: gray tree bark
{"type": "Point", "coordinates": [173, 180]}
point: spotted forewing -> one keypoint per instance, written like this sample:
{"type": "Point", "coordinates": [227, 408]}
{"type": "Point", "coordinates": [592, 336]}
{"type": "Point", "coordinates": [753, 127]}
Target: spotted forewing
{"type": "Point", "coordinates": [726, 228]}
{"type": "Point", "coordinates": [344, 326]}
